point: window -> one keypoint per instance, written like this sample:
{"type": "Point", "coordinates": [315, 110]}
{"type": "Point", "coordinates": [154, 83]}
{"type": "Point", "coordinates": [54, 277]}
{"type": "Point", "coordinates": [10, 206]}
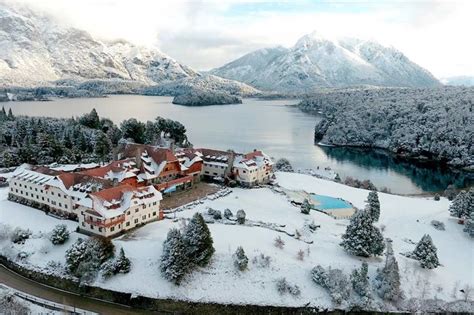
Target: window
{"type": "Point", "coordinates": [60, 205]}
{"type": "Point", "coordinates": [16, 190]}
{"type": "Point", "coordinates": [154, 203]}
{"type": "Point", "coordinates": [100, 229]}
{"type": "Point", "coordinates": [154, 213]}
{"type": "Point", "coordinates": [42, 198]}
{"type": "Point", "coordinates": [15, 183]}
{"type": "Point", "coordinates": [144, 206]}
{"type": "Point", "coordinates": [144, 217]}
{"type": "Point", "coordinates": [26, 194]}
{"type": "Point", "coordinates": [83, 224]}
{"type": "Point", "coordinates": [37, 197]}
{"type": "Point", "coordinates": [215, 174]}
{"type": "Point", "coordinates": [92, 227]}
{"type": "Point", "coordinates": [128, 212]}
{"type": "Point", "coordinates": [112, 229]}
{"type": "Point", "coordinates": [41, 190]}
{"type": "Point", "coordinates": [36, 189]}
{"type": "Point", "coordinates": [52, 193]}
{"type": "Point", "coordinates": [65, 206]}
{"type": "Point", "coordinates": [127, 224]}
{"type": "Point", "coordinates": [20, 185]}
{"type": "Point", "coordinates": [136, 220]}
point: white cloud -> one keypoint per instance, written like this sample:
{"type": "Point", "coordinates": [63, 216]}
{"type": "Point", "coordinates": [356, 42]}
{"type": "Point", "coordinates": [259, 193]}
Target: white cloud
{"type": "Point", "coordinates": [206, 34]}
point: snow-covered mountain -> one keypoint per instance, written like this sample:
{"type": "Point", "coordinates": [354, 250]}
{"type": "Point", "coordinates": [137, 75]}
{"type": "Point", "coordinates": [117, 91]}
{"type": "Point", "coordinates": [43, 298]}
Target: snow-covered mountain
{"type": "Point", "coordinates": [36, 50]}
{"type": "Point", "coordinates": [316, 61]}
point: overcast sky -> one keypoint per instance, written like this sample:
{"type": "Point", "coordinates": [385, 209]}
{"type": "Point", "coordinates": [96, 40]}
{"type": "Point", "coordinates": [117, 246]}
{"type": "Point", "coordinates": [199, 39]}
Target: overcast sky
{"type": "Point", "coordinates": [206, 34]}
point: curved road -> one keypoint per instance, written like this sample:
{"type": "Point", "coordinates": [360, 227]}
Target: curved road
{"type": "Point", "coordinates": [20, 283]}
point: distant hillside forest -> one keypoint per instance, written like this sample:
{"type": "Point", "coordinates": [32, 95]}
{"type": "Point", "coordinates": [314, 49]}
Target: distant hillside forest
{"type": "Point", "coordinates": [423, 124]}
{"type": "Point", "coordinates": [89, 138]}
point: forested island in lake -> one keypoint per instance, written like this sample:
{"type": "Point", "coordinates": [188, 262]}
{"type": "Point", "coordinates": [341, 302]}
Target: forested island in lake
{"type": "Point", "coordinates": [432, 125]}
{"type": "Point", "coordinates": [203, 98]}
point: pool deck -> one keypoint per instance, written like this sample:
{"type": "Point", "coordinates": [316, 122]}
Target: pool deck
{"type": "Point", "coordinates": [298, 196]}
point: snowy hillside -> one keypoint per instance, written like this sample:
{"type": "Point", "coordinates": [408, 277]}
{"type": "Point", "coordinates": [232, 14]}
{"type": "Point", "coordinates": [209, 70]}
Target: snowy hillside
{"type": "Point", "coordinates": [37, 51]}
{"type": "Point", "coordinates": [316, 61]}
{"type": "Point", "coordinates": [403, 219]}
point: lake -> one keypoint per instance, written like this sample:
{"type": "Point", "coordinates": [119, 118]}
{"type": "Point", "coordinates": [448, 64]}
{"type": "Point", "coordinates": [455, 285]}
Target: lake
{"type": "Point", "coordinates": [270, 125]}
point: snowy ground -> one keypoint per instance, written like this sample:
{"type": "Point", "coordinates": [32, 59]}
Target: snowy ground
{"type": "Point", "coordinates": [403, 219]}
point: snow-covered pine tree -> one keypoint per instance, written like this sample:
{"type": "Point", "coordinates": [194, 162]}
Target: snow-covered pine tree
{"type": "Point", "coordinates": [469, 225]}
{"type": "Point", "coordinates": [240, 216]}
{"type": "Point", "coordinates": [241, 260]}
{"type": "Point", "coordinates": [373, 205]}
{"type": "Point", "coordinates": [426, 252]}
{"type": "Point", "coordinates": [59, 235]}
{"type": "Point", "coordinates": [305, 207]}
{"type": "Point", "coordinates": [75, 254]}
{"type": "Point", "coordinates": [361, 237]}
{"type": "Point", "coordinates": [122, 264]}
{"type": "Point", "coordinates": [360, 281]}
{"type": "Point", "coordinates": [387, 281]}
{"type": "Point", "coordinates": [174, 262]}
{"type": "Point", "coordinates": [198, 241]}
{"type": "Point", "coordinates": [458, 206]}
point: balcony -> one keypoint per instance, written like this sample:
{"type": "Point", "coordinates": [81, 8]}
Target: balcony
{"type": "Point", "coordinates": [105, 223]}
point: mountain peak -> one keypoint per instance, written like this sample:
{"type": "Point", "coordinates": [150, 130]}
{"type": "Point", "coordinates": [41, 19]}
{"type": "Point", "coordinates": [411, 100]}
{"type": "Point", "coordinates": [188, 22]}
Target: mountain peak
{"type": "Point", "coordinates": [318, 61]}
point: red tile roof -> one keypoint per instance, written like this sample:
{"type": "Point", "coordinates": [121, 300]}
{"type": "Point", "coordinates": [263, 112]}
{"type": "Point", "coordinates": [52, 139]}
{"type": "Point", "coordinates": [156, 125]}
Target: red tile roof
{"type": "Point", "coordinates": [113, 193]}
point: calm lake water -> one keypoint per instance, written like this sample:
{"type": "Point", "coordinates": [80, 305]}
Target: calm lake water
{"type": "Point", "coordinates": [270, 125]}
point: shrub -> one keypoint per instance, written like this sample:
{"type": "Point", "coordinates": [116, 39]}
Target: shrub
{"type": "Point", "coordinates": [228, 214]}
{"type": "Point", "coordinates": [240, 216]}
{"type": "Point", "coordinates": [261, 261]}
{"type": "Point", "coordinates": [437, 197]}
{"type": "Point", "coordinates": [19, 235]}
{"type": "Point", "coordinates": [240, 259]}
{"type": "Point", "coordinates": [120, 265]}
{"type": "Point", "coordinates": [279, 243]}
{"type": "Point", "coordinates": [217, 215]}
{"type": "Point", "coordinates": [300, 255]}
{"type": "Point", "coordinates": [284, 287]}
{"type": "Point", "coordinates": [333, 280]}
{"type": "Point", "coordinates": [305, 207]}
{"type": "Point", "coordinates": [59, 235]}
{"type": "Point", "coordinates": [283, 165]}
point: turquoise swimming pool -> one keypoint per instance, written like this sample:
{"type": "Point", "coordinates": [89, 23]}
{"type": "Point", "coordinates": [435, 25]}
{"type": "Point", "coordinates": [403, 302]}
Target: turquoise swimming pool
{"type": "Point", "coordinates": [326, 202]}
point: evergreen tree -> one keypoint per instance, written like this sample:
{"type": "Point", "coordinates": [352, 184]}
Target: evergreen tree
{"type": "Point", "coordinates": [373, 205]}
{"type": "Point", "coordinates": [59, 235]}
{"type": "Point", "coordinates": [122, 264]}
{"type": "Point", "coordinates": [361, 237]}
{"type": "Point", "coordinates": [90, 120]}
{"type": "Point", "coordinates": [241, 261]}
{"type": "Point", "coordinates": [469, 225]}
{"type": "Point", "coordinates": [198, 241]}
{"type": "Point", "coordinates": [426, 252]}
{"type": "Point", "coordinates": [387, 281]}
{"type": "Point", "coordinates": [10, 114]}
{"type": "Point", "coordinates": [463, 205]}
{"type": "Point", "coordinates": [3, 114]}
{"type": "Point", "coordinates": [305, 207]}
{"type": "Point", "coordinates": [360, 280]}
{"type": "Point", "coordinates": [174, 262]}
{"type": "Point", "coordinates": [102, 146]}
{"type": "Point", "coordinates": [133, 129]}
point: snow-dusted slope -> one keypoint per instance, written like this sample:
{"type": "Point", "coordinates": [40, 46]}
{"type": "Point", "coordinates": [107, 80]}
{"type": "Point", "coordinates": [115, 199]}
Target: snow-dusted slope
{"type": "Point", "coordinates": [315, 61]}
{"type": "Point", "coordinates": [35, 50]}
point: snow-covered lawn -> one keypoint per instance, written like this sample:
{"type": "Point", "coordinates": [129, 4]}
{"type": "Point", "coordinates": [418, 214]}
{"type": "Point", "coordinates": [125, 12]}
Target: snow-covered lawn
{"type": "Point", "coordinates": [402, 219]}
